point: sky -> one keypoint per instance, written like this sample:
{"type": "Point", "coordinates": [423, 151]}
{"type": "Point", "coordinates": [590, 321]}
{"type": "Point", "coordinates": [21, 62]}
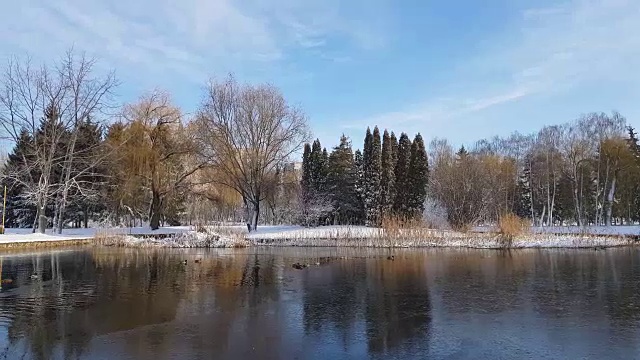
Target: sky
{"type": "Point", "coordinates": [460, 69]}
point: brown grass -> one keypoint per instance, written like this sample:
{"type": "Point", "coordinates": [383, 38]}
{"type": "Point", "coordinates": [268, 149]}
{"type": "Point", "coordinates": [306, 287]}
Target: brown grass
{"type": "Point", "coordinates": [397, 229]}
{"type": "Point", "coordinates": [510, 226]}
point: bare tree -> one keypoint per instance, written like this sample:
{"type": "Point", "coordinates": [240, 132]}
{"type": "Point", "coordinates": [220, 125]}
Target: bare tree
{"type": "Point", "coordinates": [87, 96]}
{"type": "Point", "coordinates": [48, 104]}
{"type": "Point", "coordinates": [578, 150]}
{"type": "Point", "coordinates": [245, 133]}
{"type": "Point", "coordinates": [31, 97]}
{"type": "Point", "coordinates": [155, 150]}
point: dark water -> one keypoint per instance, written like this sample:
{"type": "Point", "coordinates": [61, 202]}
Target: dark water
{"type": "Point", "coordinates": [251, 304]}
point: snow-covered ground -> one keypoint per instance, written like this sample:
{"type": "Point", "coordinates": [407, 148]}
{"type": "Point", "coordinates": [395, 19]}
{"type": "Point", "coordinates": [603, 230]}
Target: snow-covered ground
{"type": "Point", "coordinates": [361, 236]}
{"type": "Point", "coordinates": [341, 236]}
{"type": "Point", "coordinates": [625, 230]}
{"type": "Point", "coordinates": [26, 235]}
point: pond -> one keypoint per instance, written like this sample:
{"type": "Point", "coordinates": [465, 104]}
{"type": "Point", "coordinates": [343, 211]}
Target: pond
{"type": "Point", "coordinates": [115, 303]}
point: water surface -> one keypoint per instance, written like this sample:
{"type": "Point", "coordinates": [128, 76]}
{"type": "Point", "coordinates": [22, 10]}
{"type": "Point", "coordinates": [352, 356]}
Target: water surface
{"type": "Point", "coordinates": [107, 303]}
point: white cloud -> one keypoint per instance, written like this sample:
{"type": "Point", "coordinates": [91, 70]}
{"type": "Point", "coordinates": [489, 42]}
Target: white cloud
{"type": "Point", "coordinates": [552, 50]}
{"type": "Point", "coordinates": [187, 39]}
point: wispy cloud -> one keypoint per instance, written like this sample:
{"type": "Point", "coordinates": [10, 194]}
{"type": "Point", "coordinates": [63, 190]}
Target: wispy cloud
{"type": "Point", "coordinates": [187, 38]}
{"type": "Point", "coordinates": [551, 50]}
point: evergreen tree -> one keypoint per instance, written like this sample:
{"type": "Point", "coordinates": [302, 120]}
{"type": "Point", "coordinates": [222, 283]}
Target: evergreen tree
{"type": "Point", "coordinates": [318, 169]}
{"type": "Point", "coordinates": [388, 179]}
{"type": "Point", "coordinates": [632, 142]}
{"type": "Point", "coordinates": [394, 154]}
{"type": "Point", "coordinates": [317, 196]}
{"type": "Point", "coordinates": [462, 153]}
{"type": "Point", "coordinates": [418, 177]}
{"type": "Point", "coordinates": [305, 182]}
{"type": "Point", "coordinates": [85, 200]}
{"type": "Point", "coordinates": [20, 212]}
{"type": "Point", "coordinates": [358, 163]}
{"type": "Point", "coordinates": [373, 168]}
{"type": "Point", "coordinates": [523, 195]}
{"type": "Point", "coordinates": [366, 155]}
{"type": "Point", "coordinates": [401, 202]}
{"type": "Point", "coordinates": [342, 183]}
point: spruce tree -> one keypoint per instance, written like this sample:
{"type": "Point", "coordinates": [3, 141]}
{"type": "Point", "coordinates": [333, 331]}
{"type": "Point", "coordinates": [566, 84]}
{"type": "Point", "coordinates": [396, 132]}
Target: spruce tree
{"type": "Point", "coordinates": [394, 153]}
{"type": "Point", "coordinates": [418, 177]}
{"type": "Point", "coordinates": [373, 168]}
{"type": "Point", "coordinates": [342, 183]}
{"type": "Point", "coordinates": [86, 202]}
{"type": "Point", "coordinates": [305, 181]}
{"type": "Point", "coordinates": [358, 164]}
{"type": "Point", "coordinates": [20, 212]}
{"type": "Point", "coordinates": [317, 169]}
{"type": "Point", "coordinates": [388, 179]}
{"type": "Point", "coordinates": [314, 187]}
{"type": "Point", "coordinates": [366, 156]}
{"type": "Point", "coordinates": [401, 202]}
{"type": "Point", "coordinates": [523, 195]}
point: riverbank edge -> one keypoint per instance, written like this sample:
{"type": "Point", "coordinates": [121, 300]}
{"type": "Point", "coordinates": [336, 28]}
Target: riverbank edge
{"type": "Point", "coordinates": [471, 241]}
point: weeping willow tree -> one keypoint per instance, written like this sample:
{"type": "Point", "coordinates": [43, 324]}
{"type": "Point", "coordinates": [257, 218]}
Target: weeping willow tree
{"type": "Point", "coordinates": [153, 154]}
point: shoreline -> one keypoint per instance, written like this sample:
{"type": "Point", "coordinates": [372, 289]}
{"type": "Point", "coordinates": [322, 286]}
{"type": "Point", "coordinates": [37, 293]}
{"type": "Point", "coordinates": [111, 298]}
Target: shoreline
{"type": "Point", "coordinates": [204, 241]}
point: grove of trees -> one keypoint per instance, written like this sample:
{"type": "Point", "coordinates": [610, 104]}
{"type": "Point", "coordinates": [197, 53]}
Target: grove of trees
{"type": "Point", "coordinates": [386, 180]}
{"type": "Point", "coordinates": [79, 158]}
{"type": "Point", "coordinates": [585, 172]}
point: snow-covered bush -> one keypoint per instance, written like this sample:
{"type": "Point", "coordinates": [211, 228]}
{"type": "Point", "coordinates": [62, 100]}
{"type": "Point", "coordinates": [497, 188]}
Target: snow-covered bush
{"type": "Point", "coordinates": [434, 215]}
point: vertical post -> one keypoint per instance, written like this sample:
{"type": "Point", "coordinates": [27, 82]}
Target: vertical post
{"type": "Point", "coordinates": [4, 208]}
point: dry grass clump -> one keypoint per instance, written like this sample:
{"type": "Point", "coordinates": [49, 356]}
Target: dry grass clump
{"type": "Point", "coordinates": [511, 226]}
{"type": "Point", "coordinates": [396, 229]}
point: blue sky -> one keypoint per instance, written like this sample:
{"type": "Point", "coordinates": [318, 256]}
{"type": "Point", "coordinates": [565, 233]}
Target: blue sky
{"type": "Point", "coordinates": [463, 70]}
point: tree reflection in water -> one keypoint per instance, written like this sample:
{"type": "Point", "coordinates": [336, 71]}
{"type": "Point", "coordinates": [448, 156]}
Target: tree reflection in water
{"type": "Point", "coordinates": [250, 303]}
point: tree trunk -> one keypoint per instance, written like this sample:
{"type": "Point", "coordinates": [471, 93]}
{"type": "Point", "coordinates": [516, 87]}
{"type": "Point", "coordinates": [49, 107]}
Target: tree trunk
{"type": "Point", "coordinates": [256, 215]}
{"type": "Point", "coordinates": [42, 221]}
{"type": "Point", "coordinates": [252, 213]}
{"type": "Point", "coordinates": [155, 211]}
{"type": "Point", "coordinates": [35, 220]}
{"type": "Point", "coordinates": [610, 198]}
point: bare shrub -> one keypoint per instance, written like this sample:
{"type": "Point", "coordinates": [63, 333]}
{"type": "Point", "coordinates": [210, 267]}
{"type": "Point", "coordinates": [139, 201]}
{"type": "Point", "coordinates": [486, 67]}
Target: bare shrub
{"type": "Point", "coordinates": [511, 226]}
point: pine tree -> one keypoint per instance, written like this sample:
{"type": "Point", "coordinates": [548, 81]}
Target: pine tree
{"type": "Point", "coordinates": [87, 201]}
{"type": "Point", "coordinates": [317, 169]}
{"type": "Point", "coordinates": [634, 147]}
{"type": "Point", "coordinates": [373, 168]}
{"type": "Point", "coordinates": [418, 177]}
{"type": "Point", "coordinates": [305, 181]}
{"type": "Point", "coordinates": [401, 202]}
{"type": "Point", "coordinates": [317, 201]}
{"type": "Point", "coordinates": [523, 195]}
{"type": "Point", "coordinates": [19, 211]}
{"type": "Point", "coordinates": [394, 153]}
{"type": "Point", "coordinates": [342, 183]}
{"type": "Point", "coordinates": [358, 164]}
{"type": "Point", "coordinates": [388, 179]}
{"type": "Point", "coordinates": [366, 155]}
{"type": "Point", "coordinates": [462, 153]}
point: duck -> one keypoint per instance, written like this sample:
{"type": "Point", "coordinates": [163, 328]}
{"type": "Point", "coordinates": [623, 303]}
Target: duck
{"type": "Point", "coordinates": [35, 277]}
{"type": "Point", "coordinates": [391, 257]}
{"type": "Point", "coordinates": [184, 262]}
{"type": "Point", "coordinates": [298, 266]}
{"type": "Point", "coordinates": [197, 261]}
